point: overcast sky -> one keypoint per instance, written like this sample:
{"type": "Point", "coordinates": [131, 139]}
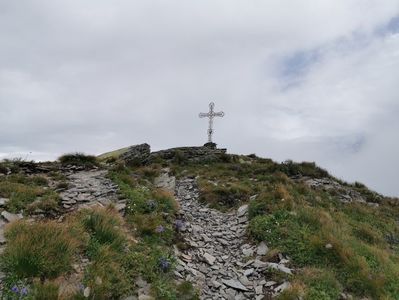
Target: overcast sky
{"type": "Point", "coordinates": [311, 80]}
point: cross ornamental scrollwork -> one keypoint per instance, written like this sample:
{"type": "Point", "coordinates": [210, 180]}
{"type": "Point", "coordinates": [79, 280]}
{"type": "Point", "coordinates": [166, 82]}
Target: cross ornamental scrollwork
{"type": "Point", "coordinates": [211, 115]}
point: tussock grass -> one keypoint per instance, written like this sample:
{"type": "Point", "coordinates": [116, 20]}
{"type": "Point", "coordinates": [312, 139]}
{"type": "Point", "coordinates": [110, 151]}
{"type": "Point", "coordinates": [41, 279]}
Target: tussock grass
{"type": "Point", "coordinates": [78, 159]}
{"type": "Point", "coordinates": [103, 226]}
{"type": "Point", "coordinates": [43, 250]}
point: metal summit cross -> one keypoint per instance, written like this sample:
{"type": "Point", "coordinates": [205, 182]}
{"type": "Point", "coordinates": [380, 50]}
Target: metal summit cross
{"type": "Point", "coordinates": [211, 114]}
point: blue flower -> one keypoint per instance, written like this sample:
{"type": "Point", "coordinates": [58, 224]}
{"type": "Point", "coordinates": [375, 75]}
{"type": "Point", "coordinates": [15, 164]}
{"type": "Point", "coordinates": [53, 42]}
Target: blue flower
{"type": "Point", "coordinates": [24, 291]}
{"type": "Point", "coordinates": [160, 229]}
{"type": "Point", "coordinates": [164, 264]}
{"type": "Point", "coordinates": [15, 289]}
{"type": "Point", "coordinates": [179, 224]}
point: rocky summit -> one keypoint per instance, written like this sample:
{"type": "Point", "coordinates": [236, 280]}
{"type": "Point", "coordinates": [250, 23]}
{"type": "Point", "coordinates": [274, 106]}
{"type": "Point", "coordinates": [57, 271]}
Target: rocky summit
{"type": "Point", "coordinates": [192, 223]}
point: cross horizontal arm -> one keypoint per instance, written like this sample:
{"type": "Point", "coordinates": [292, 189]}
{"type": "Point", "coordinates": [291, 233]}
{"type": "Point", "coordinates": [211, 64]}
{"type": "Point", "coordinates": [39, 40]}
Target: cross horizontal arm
{"type": "Point", "coordinates": [204, 115]}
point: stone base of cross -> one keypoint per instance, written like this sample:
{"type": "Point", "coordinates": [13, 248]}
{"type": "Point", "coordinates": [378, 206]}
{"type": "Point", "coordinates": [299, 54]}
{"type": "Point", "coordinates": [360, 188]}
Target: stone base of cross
{"type": "Point", "coordinates": [210, 145]}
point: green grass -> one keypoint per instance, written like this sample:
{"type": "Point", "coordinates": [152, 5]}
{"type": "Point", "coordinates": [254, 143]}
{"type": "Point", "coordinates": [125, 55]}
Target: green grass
{"type": "Point", "coordinates": [28, 193]}
{"type": "Point", "coordinates": [112, 154]}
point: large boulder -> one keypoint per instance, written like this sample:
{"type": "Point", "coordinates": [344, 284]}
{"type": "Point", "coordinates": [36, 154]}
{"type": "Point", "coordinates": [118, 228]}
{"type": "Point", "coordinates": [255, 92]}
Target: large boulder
{"type": "Point", "coordinates": [137, 154]}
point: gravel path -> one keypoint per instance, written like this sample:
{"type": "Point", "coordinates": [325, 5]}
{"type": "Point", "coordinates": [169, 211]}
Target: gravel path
{"type": "Point", "coordinates": [219, 261]}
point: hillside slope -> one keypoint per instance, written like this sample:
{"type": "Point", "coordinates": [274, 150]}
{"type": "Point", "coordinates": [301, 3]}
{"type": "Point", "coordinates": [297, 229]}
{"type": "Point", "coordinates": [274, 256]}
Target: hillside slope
{"type": "Point", "coordinates": [192, 223]}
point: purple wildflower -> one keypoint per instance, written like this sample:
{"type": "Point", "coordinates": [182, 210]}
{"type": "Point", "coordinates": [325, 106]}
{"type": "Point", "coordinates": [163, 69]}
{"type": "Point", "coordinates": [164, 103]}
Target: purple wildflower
{"type": "Point", "coordinates": [15, 289]}
{"type": "Point", "coordinates": [160, 229]}
{"type": "Point", "coordinates": [24, 291]}
{"type": "Point", "coordinates": [179, 224]}
{"type": "Point", "coordinates": [164, 264]}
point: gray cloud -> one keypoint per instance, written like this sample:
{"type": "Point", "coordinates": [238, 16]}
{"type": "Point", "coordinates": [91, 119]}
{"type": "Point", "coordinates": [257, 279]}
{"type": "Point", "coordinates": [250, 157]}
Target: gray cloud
{"type": "Point", "coordinates": [314, 80]}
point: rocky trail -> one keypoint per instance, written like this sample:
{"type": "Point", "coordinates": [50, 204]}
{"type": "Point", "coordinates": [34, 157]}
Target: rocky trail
{"type": "Point", "coordinates": [220, 261]}
{"type": "Point", "coordinates": [90, 188]}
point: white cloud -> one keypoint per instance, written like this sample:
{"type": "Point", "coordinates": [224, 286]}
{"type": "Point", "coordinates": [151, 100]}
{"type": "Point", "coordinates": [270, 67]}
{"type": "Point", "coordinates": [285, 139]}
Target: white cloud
{"type": "Point", "coordinates": [97, 75]}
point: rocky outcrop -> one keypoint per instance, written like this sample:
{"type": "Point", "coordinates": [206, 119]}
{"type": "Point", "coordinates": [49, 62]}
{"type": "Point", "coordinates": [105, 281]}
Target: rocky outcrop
{"type": "Point", "coordinates": [137, 154]}
{"type": "Point", "coordinates": [344, 193]}
{"type": "Point", "coordinates": [141, 154]}
{"type": "Point", "coordinates": [189, 154]}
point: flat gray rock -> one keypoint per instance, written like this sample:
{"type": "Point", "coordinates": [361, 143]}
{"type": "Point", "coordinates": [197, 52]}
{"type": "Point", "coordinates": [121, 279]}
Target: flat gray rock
{"type": "Point", "coordinates": [235, 284]}
{"type": "Point", "coordinates": [262, 249]}
{"type": "Point", "coordinates": [210, 259]}
{"type": "Point", "coordinates": [242, 210]}
{"type": "Point", "coordinates": [281, 268]}
{"type": "Point", "coordinates": [9, 217]}
{"type": "Point", "coordinates": [3, 201]}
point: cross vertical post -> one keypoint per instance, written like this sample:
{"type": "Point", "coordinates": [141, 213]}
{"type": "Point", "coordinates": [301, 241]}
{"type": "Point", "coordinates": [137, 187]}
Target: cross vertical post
{"type": "Point", "coordinates": [211, 115]}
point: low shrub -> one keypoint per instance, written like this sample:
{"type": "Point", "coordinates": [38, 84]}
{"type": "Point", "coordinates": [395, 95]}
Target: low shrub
{"type": "Point", "coordinates": [79, 159]}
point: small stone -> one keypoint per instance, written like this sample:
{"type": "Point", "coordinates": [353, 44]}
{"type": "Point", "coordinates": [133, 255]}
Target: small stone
{"type": "Point", "coordinates": [242, 210]}
{"type": "Point", "coordinates": [177, 274]}
{"type": "Point", "coordinates": [247, 251]}
{"type": "Point", "coordinates": [279, 267]}
{"type": "Point", "coordinates": [120, 207]}
{"type": "Point", "coordinates": [216, 284]}
{"type": "Point", "coordinates": [282, 287]}
{"type": "Point", "coordinates": [141, 283]}
{"type": "Point", "coordinates": [262, 249]}
{"type": "Point", "coordinates": [260, 264]}
{"type": "Point", "coordinates": [9, 217]}
{"type": "Point", "coordinates": [243, 219]}
{"type": "Point", "coordinates": [146, 297]}
{"type": "Point", "coordinates": [248, 272]}
{"type": "Point", "coordinates": [270, 283]}
{"type": "Point", "coordinates": [209, 258]}
{"type": "Point", "coordinates": [244, 280]}
{"type": "Point", "coordinates": [253, 197]}
{"type": "Point", "coordinates": [99, 281]}
{"type": "Point", "coordinates": [86, 292]}
{"type": "Point", "coordinates": [259, 290]}
{"type": "Point", "coordinates": [3, 201]}
{"type": "Point", "coordinates": [329, 246]}
{"type": "Point", "coordinates": [235, 284]}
